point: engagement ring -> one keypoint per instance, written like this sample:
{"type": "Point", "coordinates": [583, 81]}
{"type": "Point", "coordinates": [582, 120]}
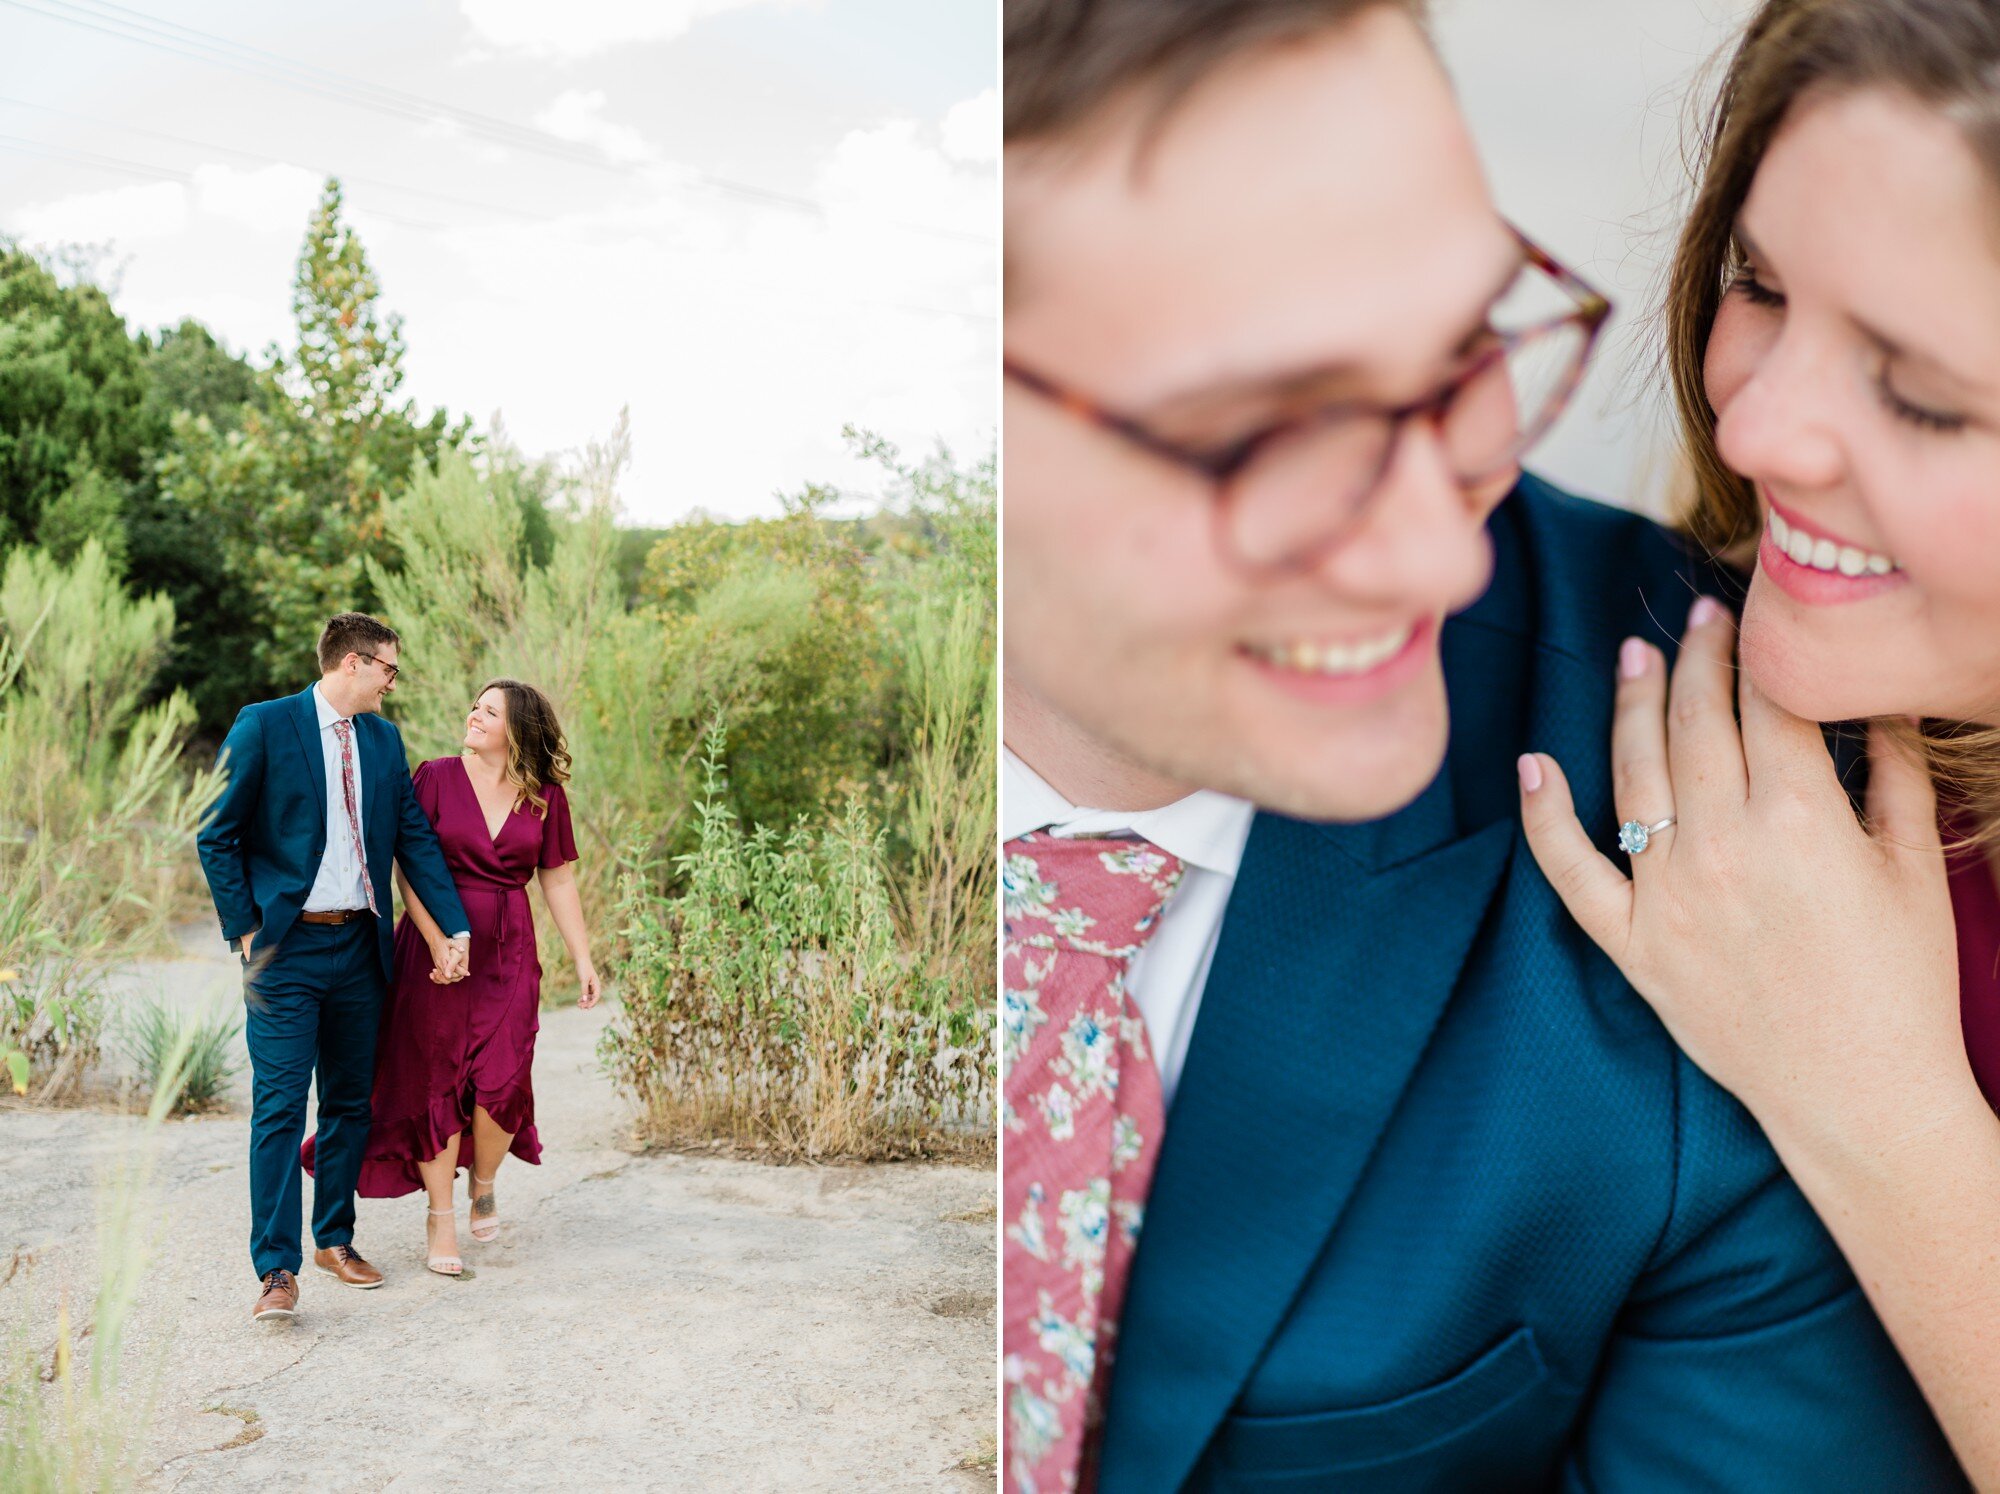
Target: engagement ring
{"type": "Point", "coordinates": [1634, 837]}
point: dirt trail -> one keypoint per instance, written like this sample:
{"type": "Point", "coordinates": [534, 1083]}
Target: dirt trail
{"type": "Point", "coordinates": [645, 1322]}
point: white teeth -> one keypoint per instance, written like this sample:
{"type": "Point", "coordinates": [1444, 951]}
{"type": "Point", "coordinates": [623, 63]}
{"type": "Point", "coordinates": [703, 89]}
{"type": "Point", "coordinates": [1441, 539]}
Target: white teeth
{"type": "Point", "coordinates": [1356, 656]}
{"type": "Point", "coordinates": [1825, 554]}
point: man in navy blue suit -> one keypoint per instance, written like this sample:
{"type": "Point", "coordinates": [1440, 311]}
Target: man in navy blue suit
{"type": "Point", "coordinates": [1432, 1201]}
{"type": "Point", "coordinates": [299, 853]}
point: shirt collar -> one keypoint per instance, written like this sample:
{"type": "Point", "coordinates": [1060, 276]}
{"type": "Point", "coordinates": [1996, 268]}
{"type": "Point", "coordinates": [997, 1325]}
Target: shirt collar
{"type": "Point", "coordinates": [1206, 829]}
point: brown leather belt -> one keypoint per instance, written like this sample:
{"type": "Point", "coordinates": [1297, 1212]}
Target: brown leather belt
{"type": "Point", "coordinates": [334, 916]}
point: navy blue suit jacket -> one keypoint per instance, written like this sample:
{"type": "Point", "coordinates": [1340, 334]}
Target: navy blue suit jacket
{"type": "Point", "coordinates": [1439, 1205]}
{"type": "Point", "coordinates": [261, 844]}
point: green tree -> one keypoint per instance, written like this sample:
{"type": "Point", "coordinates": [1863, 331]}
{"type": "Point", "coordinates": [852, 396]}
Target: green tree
{"type": "Point", "coordinates": [287, 492]}
{"type": "Point", "coordinates": [191, 370]}
{"type": "Point", "coordinates": [75, 432]}
{"type": "Point", "coordinates": [775, 624]}
{"type": "Point", "coordinates": [350, 353]}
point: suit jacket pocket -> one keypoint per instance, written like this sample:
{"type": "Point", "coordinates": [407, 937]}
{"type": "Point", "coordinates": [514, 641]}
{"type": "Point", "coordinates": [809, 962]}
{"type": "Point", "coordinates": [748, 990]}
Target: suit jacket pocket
{"type": "Point", "coordinates": [1329, 1441]}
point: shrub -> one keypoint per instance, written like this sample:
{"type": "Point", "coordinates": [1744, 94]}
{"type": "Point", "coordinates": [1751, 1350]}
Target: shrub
{"type": "Point", "coordinates": [771, 1001]}
{"type": "Point", "coordinates": [157, 1033]}
{"type": "Point", "coordinates": [97, 828]}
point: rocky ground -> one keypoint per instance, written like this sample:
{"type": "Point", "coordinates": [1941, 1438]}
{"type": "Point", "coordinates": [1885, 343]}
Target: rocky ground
{"type": "Point", "coordinates": [646, 1321]}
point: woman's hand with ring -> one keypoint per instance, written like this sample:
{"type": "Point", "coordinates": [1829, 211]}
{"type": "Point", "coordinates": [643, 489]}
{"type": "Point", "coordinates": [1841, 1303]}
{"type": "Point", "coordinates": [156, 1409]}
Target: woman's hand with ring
{"type": "Point", "coordinates": [1807, 963]}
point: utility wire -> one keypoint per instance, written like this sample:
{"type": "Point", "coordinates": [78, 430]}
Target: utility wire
{"type": "Point", "coordinates": [145, 170]}
{"type": "Point", "coordinates": [91, 158]}
{"type": "Point", "coordinates": [257, 156]}
{"type": "Point", "coordinates": [189, 42]}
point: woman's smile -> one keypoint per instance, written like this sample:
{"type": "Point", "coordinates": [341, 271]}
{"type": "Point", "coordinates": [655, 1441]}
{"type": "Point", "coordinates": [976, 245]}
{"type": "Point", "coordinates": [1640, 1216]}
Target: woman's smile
{"type": "Point", "coordinates": [1811, 564]}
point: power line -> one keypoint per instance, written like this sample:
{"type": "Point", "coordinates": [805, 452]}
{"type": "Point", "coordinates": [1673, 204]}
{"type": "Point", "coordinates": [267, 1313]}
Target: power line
{"type": "Point", "coordinates": [257, 156]}
{"type": "Point", "coordinates": [107, 18]}
{"type": "Point", "coordinates": [90, 158]}
{"type": "Point", "coordinates": [146, 170]}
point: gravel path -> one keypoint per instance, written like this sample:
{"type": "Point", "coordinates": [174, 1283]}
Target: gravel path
{"type": "Point", "coordinates": [645, 1322]}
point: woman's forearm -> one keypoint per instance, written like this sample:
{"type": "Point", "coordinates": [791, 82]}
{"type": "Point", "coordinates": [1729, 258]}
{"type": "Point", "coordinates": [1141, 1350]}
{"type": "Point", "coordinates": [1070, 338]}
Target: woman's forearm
{"type": "Point", "coordinates": [1918, 1217]}
{"type": "Point", "coordinates": [566, 908]}
{"type": "Point", "coordinates": [419, 914]}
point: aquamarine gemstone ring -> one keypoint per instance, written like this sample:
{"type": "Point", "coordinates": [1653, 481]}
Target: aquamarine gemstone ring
{"type": "Point", "coordinates": [1634, 837]}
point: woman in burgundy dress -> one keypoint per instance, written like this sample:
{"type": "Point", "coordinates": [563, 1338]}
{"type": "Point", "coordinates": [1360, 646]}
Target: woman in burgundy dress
{"type": "Point", "coordinates": [453, 1082]}
{"type": "Point", "coordinates": [1831, 313]}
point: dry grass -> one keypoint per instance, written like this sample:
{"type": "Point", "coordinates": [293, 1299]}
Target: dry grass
{"type": "Point", "coordinates": [253, 1426]}
{"type": "Point", "coordinates": [983, 1459]}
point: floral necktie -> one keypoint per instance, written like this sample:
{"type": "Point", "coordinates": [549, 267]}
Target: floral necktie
{"type": "Point", "coordinates": [344, 730]}
{"type": "Point", "coordinates": [1081, 1113]}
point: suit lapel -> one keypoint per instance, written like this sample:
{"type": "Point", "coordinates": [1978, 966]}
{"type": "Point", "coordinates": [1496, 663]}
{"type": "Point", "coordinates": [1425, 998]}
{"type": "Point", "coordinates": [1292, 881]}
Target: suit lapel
{"type": "Point", "coordinates": [1338, 953]}
{"type": "Point", "coordinates": [305, 716]}
{"type": "Point", "coordinates": [376, 794]}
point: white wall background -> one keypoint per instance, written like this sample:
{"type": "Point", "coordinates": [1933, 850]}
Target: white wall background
{"type": "Point", "coordinates": [1580, 108]}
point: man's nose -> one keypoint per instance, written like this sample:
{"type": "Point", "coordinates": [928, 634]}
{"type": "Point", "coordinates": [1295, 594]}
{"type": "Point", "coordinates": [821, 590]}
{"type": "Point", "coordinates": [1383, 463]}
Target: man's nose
{"type": "Point", "coordinates": [1421, 545]}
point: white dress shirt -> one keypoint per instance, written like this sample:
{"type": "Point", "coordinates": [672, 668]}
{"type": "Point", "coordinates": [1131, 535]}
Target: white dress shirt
{"type": "Point", "coordinates": [338, 884]}
{"type": "Point", "coordinates": [1206, 830]}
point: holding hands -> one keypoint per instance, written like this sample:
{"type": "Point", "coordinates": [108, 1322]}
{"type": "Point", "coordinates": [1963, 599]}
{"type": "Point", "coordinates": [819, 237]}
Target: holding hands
{"type": "Point", "coordinates": [1805, 961]}
{"type": "Point", "coordinates": [451, 960]}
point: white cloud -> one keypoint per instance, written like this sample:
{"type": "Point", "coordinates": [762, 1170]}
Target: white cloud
{"type": "Point", "coordinates": [972, 128]}
{"type": "Point", "coordinates": [578, 115]}
{"type": "Point", "coordinates": [272, 199]}
{"type": "Point", "coordinates": [120, 215]}
{"type": "Point", "coordinates": [581, 28]}
{"type": "Point", "coordinates": [742, 338]}
{"type": "Point", "coordinates": [269, 200]}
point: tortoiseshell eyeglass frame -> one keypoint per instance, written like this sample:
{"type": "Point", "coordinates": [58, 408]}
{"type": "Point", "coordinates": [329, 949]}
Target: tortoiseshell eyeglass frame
{"type": "Point", "coordinates": [1220, 468]}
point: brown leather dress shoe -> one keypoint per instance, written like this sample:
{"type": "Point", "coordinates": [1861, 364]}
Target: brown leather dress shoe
{"type": "Point", "coordinates": [345, 1262]}
{"type": "Point", "coordinates": [280, 1300]}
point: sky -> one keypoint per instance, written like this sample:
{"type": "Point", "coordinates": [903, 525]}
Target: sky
{"type": "Point", "coordinates": [750, 221]}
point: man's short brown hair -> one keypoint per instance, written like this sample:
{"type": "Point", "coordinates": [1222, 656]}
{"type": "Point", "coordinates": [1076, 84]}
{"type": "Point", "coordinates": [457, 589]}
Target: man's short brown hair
{"type": "Point", "coordinates": [1065, 59]}
{"type": "Point", "coordinates": [352, 633]}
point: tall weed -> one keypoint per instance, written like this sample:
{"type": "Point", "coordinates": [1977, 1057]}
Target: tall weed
{"type": "Point", "coordinates": [98, 824]}
{"type": "Point", "coordinates": [75, 1408]}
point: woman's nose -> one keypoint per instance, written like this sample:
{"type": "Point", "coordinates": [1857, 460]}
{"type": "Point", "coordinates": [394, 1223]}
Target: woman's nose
{"type": "Point", "coordinates": [1776, 427]}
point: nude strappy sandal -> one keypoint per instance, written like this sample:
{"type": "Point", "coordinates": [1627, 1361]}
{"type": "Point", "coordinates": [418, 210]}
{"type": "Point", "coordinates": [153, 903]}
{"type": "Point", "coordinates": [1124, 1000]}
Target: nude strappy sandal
{"type": "Point", "coordinates": [444, 1265]}
{"type": "Point", "coordinates": [484, 1213]}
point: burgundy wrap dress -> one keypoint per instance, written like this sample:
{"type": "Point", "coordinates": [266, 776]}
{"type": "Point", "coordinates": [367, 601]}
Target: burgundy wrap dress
{"type": "Point", "coordinates": [1975, 905]}
{"type": "Point", "coordinates": [445, 1048]}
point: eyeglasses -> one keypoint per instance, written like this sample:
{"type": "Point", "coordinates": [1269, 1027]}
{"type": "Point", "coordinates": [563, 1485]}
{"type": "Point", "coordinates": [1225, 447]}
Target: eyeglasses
{"type": "Point", "coordinates": [394, 669]}
{"type": "Point", "coordinates": [1288, 493]}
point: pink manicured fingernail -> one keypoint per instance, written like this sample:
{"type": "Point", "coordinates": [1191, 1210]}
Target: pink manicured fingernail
{"type": "Point", "coordinates": [1704, 611]}
{"type": "Point", "coordinates": [1631, 659]}
{"type": "Point", "coordinates": [1530, 768]}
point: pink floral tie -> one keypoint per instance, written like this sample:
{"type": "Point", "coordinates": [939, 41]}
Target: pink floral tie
{"type": "Point", "coordinates": [345, 731]}
{"type": "Point", "coordinates": [1081, 1113]}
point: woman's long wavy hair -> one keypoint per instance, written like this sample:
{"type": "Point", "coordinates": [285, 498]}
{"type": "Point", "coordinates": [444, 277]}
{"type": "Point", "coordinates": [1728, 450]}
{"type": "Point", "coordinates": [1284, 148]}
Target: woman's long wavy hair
{"type": "Point", "coordinates": [1945, 54]}
{"type": "Point", "coordinates": [537, 753]}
